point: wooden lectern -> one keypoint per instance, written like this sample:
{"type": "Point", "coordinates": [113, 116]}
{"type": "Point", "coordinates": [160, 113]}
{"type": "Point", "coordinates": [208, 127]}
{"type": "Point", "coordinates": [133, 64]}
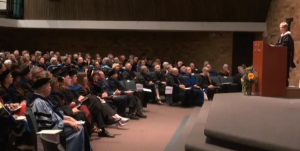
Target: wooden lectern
{"type": "Point", "coordinates": [270, 63]}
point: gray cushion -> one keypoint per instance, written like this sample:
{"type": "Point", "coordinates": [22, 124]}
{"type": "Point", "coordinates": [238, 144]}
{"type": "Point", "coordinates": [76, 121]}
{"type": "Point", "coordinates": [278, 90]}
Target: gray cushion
{"type": "Point", "coordinates": [266, 123]}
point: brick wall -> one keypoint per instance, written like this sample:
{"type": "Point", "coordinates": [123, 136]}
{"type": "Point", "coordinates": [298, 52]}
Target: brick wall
{"type": "Point", "coordinates": [279, 11]}
{"type": "Point", "coordinates": [186, 46]}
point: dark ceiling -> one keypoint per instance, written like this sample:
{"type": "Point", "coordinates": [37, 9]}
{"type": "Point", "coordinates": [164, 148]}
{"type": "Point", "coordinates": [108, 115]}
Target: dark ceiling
{"type": "Point", "coordinates": [149, 10]}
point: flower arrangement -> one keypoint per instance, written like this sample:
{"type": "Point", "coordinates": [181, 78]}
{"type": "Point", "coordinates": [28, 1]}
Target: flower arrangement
{"type": "Point", "coordinates": [248, 79]}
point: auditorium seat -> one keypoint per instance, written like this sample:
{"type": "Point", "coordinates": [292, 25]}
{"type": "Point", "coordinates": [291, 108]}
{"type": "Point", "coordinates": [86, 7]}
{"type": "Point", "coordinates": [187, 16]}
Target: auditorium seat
{"type": "Point", "coordinates": [228, 84]}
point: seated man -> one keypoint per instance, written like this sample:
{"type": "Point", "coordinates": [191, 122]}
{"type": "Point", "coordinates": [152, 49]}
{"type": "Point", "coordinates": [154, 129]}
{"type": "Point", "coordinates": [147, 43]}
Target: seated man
{"type": "Point", "coordinates": [74, 132]}
{"type": "Point", "coordinates": [115, 84]}
{"type": "Point", "coordinates": [197, 91]}
{"type": "Point", "coordinates": [212, 72]}
{"type": "Point", "coordinates": [117, 97]}
{"type": "Point", "coordinates": [127, 73]}
{"type": "Point", "coordinates": [225, 71]}
{"type": "Point", "coordinates": [160, 79]}
{"type": "Point", "coordinates": [174, 81]}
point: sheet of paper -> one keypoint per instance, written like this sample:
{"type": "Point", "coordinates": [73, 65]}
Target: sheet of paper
{"type": "Point", "coordinates": [49, 132]}
{"type": "Point", "coordinates": [21, 118]}
{"type": "Point", "coordinates": [169, 90]}
{"type": "Point", "coordinates": [139, 86]}
{"type": "Point", "coordinates": [146, 90]}
{"type": "Point", "coordinates": [80, 122]}
{"type": "Point", "coordinates": [187, 88]}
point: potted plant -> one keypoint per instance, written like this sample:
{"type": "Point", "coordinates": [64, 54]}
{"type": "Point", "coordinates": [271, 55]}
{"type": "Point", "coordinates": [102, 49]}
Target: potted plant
{"type": "Point", "coordinates": [248, 79]}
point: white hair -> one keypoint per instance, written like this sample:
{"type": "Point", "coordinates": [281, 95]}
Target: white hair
{"type": "Point", "coordinates": [53, 59]}
{"type": "Point", "coordinates": [225, 65]}
{"type": "Point", "coordinates": [165, 63]}
{"type": "Point", "coordinates": [205, 69]}
{"type": "Point", "coordinates": [104, 60]}
{"type": "Point", "coordinates": [7, 62]}
{"type": "Point", "coordinates": [143, 68]}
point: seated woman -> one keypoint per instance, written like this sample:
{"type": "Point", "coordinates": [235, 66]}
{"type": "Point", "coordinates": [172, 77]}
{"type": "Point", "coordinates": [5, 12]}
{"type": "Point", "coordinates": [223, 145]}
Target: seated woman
{"type": "Point", "coordinates": [72, 100]}
{"type": "Point", "coordinates": [6, 80]}
{"type": "Point", "coordinates": [160, 79]}
{"type": "Point", "coordinates": [207, 84]}
{"type": "Point", "coordinates": [105, 108]}
{"type": "Point", "coordinates": [74, 132]}
{"type": "Point", "coordinates": [147, 82]}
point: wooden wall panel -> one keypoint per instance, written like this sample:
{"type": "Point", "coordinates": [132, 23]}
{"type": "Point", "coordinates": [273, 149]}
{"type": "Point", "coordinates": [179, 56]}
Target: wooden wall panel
{"type": "Point", "coordinates": [149, 10]}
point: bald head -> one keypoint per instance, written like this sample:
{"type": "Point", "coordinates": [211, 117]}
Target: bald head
{"type": "Point", "coordinates": [175, 71]}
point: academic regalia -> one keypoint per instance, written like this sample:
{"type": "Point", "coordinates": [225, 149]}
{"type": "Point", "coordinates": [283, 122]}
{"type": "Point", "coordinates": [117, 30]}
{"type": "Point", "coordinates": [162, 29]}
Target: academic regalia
{"type": "Point", "coordinates": [157, 78]}
{"type": "Point", "coordinates": [287, 40]}
{"type": "Point", "coordinates": [128, 75]}
{"type": "Point", "coordinates": [224, 73]}
{"type": "Point", "coordinates": [95, 105]}
{"type": "Point", "coordinates": [75, 140]}
{"type": "Point", "coordinates": [178, 93]}
{"type": "Point", "coordinates": [119, 101]}
{"type": "Point", "coordinates": [145, 79]}
{"type": "Point", "coordinates": [213, 73]}
{"type": "Point", "coordinates": [205, 81]}
{"type": "Point", "coordinates": [26, 87]}
{"type": "Point", "coordinates": [133, 101]}
{"type": "Point", "coordinates": [196, 93]}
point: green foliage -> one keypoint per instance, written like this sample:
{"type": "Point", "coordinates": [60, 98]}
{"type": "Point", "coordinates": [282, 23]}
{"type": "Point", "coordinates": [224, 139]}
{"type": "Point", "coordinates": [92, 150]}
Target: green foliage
{"type": "Point", "coordinates": [248, 82]}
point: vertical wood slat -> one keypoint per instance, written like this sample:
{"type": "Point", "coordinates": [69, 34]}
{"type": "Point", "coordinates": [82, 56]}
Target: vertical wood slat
{"type": "Point", "coordinates": [148, 10]}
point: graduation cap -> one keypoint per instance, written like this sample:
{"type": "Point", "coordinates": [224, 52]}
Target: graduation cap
{"type": "Point", "coordinates": [111, 72]}
{"type": "Point", "coordinates": [25, 71]}
{"type": "Point", "coordinates": [3, 75]}
{"type": "Point", "coordinates": [72, 72]}
{"type": "Point", "coordinates": [40, 82]}
{"type": "Point", "coordinates": [56, 70]}
{"type": "Point", "coordinates": [64, 73]}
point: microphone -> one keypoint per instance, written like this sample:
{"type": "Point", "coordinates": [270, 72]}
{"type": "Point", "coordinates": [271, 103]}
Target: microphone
{"type": "Point", "coordinates": [268, 36]}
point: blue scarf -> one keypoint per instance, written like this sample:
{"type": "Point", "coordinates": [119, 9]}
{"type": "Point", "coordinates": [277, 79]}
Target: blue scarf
{"type": "Point", "coordinates": [74, 87]}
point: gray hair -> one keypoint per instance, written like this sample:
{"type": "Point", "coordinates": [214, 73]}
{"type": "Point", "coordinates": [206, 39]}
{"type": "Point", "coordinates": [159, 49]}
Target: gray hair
{"type": "Point", "coordinates": [225, 65]}
{"type": "Point", "coordinates": [52, 60]}
{"type": "Point", "coordinates": [116, 58]}
{"type": "Point", "coordinates": [34, 70]}
{"type": "Point", "coordinates": [127, 64]}
{"type": "Point", "coordinates": [104, 61]}
{"type": "Point", "coordinates": [240, 67]}
{"type": "Point", "coordinates": [38, 53]}
{"type": "Point", "coordinates": [165, 63]}
{"type": "Point", "coordinates": [205, 69]}
{"type": "Point", "coordinates": [143, 68]}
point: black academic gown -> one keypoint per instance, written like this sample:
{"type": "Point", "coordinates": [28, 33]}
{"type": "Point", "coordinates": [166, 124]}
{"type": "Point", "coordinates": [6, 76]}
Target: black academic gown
{"type": "Point", "coordinates": [59, 105]}
{"type": "Point", "coordinates": [134, 100]}
{"type": "Point", "coordinates": [26, 87]}
{"type": "Point", "coordinates": [178, 93]}
{"type": "Point", "coordinates": [19, 127]}
{"type": "Point", "coordinates": [287, 40]}
{"type": "Point", "coordinates": [158, 77]}
{"type": "Point", "coordinates": [17, 94]}
{"type": "Point", "coordinates": [69, 96]}
{"type": "Point", "coordinates": [204, 83]}
{"type": "Point", "coordinates": [145, 79]}
{"type": "Point", "coordinates": [128, 75]}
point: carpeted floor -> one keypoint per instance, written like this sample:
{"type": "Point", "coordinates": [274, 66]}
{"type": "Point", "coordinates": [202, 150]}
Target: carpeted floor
{"type": "Point", "coordinates": [151, 134]}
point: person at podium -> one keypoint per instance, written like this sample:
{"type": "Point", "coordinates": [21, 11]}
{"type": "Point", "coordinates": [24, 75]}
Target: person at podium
{"type": "Point", "coordinates": [287, 40]}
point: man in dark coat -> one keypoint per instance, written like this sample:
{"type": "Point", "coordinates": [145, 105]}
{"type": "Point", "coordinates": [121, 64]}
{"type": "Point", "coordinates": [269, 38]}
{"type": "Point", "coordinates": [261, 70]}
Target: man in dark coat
{"type": "Point", "coordinates": [116, 85]}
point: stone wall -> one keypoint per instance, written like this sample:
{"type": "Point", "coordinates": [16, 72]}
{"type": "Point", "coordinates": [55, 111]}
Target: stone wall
{"type": "Point", "coordinates": [279, 11]}
{"type": "Point", "coordinates": [169, 46]}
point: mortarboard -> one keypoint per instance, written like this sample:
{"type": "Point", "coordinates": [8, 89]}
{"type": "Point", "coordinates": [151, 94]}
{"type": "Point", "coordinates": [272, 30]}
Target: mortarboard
{"type": "Point", "coordinates": [40, 82]}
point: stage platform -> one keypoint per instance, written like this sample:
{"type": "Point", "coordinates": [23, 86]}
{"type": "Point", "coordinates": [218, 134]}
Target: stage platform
{"type": "Point", "coordinates": [244, 123]}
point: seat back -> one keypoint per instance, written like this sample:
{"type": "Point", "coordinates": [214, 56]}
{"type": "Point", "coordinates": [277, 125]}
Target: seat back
{"type": "Point", "coordinates": [216, 80]}
{"type": "Point", "coordinates": [50, 145]}
{"type": "Point", "coordinates": [228, 80]}
{"type": "Point", "coordinates": [130, 84]}
{"type": "Point", "coordinates": [32, 126]}
{"type": "Point", "coordinates": [137, 74]}
{"type": "Point", "coordinates": [122, 83]}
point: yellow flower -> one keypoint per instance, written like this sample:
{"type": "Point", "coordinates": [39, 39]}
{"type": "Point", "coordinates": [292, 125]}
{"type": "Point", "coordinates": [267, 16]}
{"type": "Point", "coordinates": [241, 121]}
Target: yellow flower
{"type": "Point", "coordinates": [250, 76]}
